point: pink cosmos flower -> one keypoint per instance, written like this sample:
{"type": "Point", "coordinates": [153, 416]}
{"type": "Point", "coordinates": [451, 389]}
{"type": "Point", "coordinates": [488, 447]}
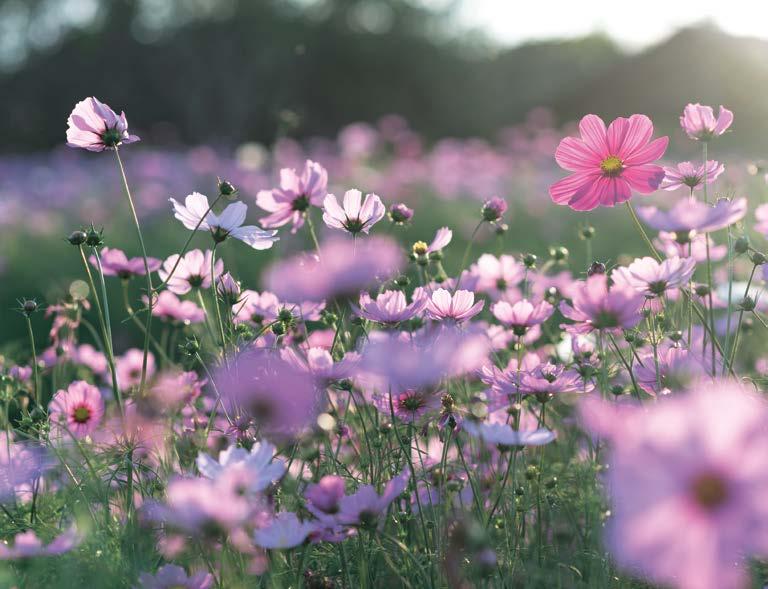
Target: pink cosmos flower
{"type": "Point", "coordinates": [320, 364]}
{"type": "Point", "coordinates": [608, 164]}
{"type": "Point", "coordinates": [400, 213]}
{"type": "Point", "coordinates": [443, 237]}
{"type": "Point", "coordinates": [77, 410]}
{"type": "Point", "coordinates": [115, 263]}
{"type": "Point", "coordinates": [548, 379]}
{"type": "Point", "coordinates": [171, 576]}
{"type": "Point", "coordinates": [171, 308]}
{"type": "Point", "coordinates": [22, 463]}
{"type": "Point", "coordinates": [595, 306]}
{"type": "Point", "coordinates": [761, 214]}
{"type": "Point", "coordinates": [493, 209]}
{"type": "Point", "coordinates": [458, 307]}
{"type": "Point", "coordinates": [195, 214]}
{"type": "Point", "coordinates": [343, 269]}
{"type": "Point", "coordinates": [505, 435]}
{"type": "Point", "coordinates": [366, 507]}
{"type": "Point", "coordinates": [257, 307]}
{"type": "Point", "coordinates": [356, 215]}
{"type": "Point", "coordinates": [687, 484]}
{"type": "Point", "coordinates": [286, 530]}
{"type": "Point", "coordinates": [129, 365]}
{"type": "Point", "coordinates": [693, 247]}
{"type": "Point", "coordinates": [323, 497]}
{"type": "Point", "coordinates": [690, 214]}
{"type": "Point", "coordinates": [28, 545]}
{"type": "Point", "coordinates": [522, 315]}
{"type": "Point", "coordinates": [700, 124]}
{"type": "Point", "coordinates": [94, 126]}
{"type": "Point", "coordinates": [677, 369]}
{"type": "Point", "coordinates": [193, 271]}
{"type": "Point", "coordinates": [410, 405]}
{"type": "Point", "coordinates": [691, 176]}
{"type": "Point", "coordinates": [290, 202]}
{"type": "Point", "coordinates": [89, 356]}
{"type": "Point", "coordinates": [652, 278]}
{"type": "Point", "coordinates": [497, 276]}
{"type": "Point", "coordinates": [174, 388]}
{"type": "Point", "coordinates": [389, 307]}
{"type": "Point", "coordinates": [258, 465]}
{"type": "Point", "coordinates": [228, 289]}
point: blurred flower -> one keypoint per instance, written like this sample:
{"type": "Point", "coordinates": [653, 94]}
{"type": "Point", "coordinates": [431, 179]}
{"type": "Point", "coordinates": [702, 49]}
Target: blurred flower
{"type": "Point", "coordinates": [673, 369]}
{"type": "Point", "coordinates": [691, 176]}
{"type": "Point", "coordinates": [497, 276]}
{"type": "Point", "coordinates": [458, 306]}
{"type": "Point", "coordinates": [493, 209]}
{"type": "Point", "coordinates": [400, 213]}
{"type": "Point", "coordinates": [76, 410]}
{"type": "Point", "coordinates": [176, 388]}
{"type": "Point", "coordinates": [366, 508]}
{"type": "Point", "coordinates": [653, 278]}
{"type": "Point", "coordinates": [195, 214]}
{"type": "Point", "coordinates": [761, 214]}
{"type": "Point", "coordinates": [323, 497]}
{"type": "Point", "coordinates": [28, 545]}
{"type": "Point", "coordinates": [693, 246]}
{"type": "Point", "coordinates": [290, 202]}
{"type": "Point", "coordinates": [443, 237]}
{"type": "Point", "coordinates": [192, 271]}
{"type": "Point", "coordinates": [596, 306]}
{"type": "Point", "coordinates": [168, 306]}
{"type": "Point", "coordinates": [408, 406]}
{"type": "Point", "coordinates": [522, 315]}
{"type": "Point", "coordinates": [505, 435]}
{"type": "Point", "coordinates": [389, 307]}
{"type": "Point", "coordinates": [356, 215]}
{"type": "Point", "coordinates": [171, 576]}
{"type": "Point", "coordinates": [690, 214]}
{"type": "Point", "coordinates": [258, 466]}
{"type": "Point", "coordinates": [700, 124]}
{"type": "Point", "coordinates": [129, 366]}
{"type": "Point", "coordinates": [96, 127]}
{"type": "Point", "coordinates": [284, 531]}
{"type": "Point", "coordinates": [21, 464]}
{"type": "Point", "coordinates": [608, 164]}
{"type": "Point", "coordinates": [115, 263]}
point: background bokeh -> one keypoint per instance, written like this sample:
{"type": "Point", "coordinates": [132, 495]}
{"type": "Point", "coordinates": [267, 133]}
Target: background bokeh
{"type": "Point", "coordinates": [407, 98]}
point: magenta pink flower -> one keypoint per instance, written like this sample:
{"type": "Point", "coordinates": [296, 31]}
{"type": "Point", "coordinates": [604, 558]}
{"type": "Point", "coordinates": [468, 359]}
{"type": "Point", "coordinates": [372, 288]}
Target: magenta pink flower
{"type": "Point", "coordinates": [389, 307]}
{"type": "Point", "coordinates": [493, 209]}
{"type": "Point", "coordinates": [595, 306]}
{"type": "Point", "coordinates": [171, 308]}
{"type": "Point", "coordinates": [366, 507]}
{"type": "Point", "coordinates": [343, 269]}
{"type": "Point", "coordinates": [290, 202]}
{"type": "Point", "coordinates": [690, 214]}
{"type": "Point", "coordinates": [653, 278]}
{"type": "Point", "coordinates": [691, 176]}
{"type": "Point", "coordinates": [699, 121]}
{"type": "Point", "coordinates": [410, 405]}
{"type": "Point", "coordinates": [171, 576]}
{"type": "Point", "coordinates": [458, 307]}
{"type": "Point", "coordinates": [192, 271]}
{"type": "Point", "coordinates": [176, 388]}
{"type": "Point", "coordinates": [96, 127]}
{"type": "Point", "coordinates": [522, 315]}
{"type": "Point", "coordinates": [129, 365]}
{"type": "Point", "coordinates": [687, 485]}
{"type": "Point", "coordinates": [323, 497]}
{"type": "Point", "coordinates": [115, 263]}
{"type": "Point", "coordinates": [608, 164]}
{"type": "Point", "coordinates": [28, 545]}
{"type": "Point", "coordinates": [77, 410]}
{"type": "Point", "coordinates": [356, 215]}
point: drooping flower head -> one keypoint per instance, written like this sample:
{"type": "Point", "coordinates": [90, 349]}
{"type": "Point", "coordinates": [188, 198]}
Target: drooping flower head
{"type": "Point", "coordinates": [700, 124]}
{"type": "Point", "coordinates": [691, 176]}
{"type": "Point", "coordinates": [596, 306]}
{"type": "Point", "coordinates": [76, 410]}
{"type": "Point", "coordinates": [96, 127]}
{"type": "Point", "coordinates": [608, 164]}
{"type": "Point", "coordinates": [356, 215]}
{"type": "Point", "coordinates": [400, 213]}
{"type": "Point", "coordinates": [195, 214]}
{"type": "Point", "coordinates": [690, 214]}
{"type": "Point", "coordinates": [459, 306]}
{"type": "Point", "coordinates": [290, 202]}
{"type": "Point", "coordinates": [652, 278]}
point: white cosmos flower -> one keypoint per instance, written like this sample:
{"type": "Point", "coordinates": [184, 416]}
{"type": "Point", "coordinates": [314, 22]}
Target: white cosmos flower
{"type": "Point", "coordinates": [228, 224]}
{"type": "Point", "coordinates": [258, 464]}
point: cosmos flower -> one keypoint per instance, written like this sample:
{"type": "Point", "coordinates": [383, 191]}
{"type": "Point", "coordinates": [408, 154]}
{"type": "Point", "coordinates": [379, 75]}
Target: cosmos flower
{"type": "Point", "coordinates": [389, 307]}
{"type": "Point", "coordinates": [409, 406]}
{"type": "Point", "coordinates": [761, 215]}
{"type": "Point", "coordinates": [257, 307]}
{"type": "Point", "coordinates": [608, 164]}
{"type": "Point", "coordinates": [690, 214]}
{"type": "Point", "coordinates": [366, 508]}
{"type": "Point", "coordinates": [129, 366]}
{"type": "Point", "coordinates": [94, 126]}
{"type": "Point", "coordinates": [356, 215]}
{"type": "Point", "coordinates": [77, 410]}
{"type": "Point", "coordinates": [228, 289]}
{"type": "Point", "coordinates": [522, 315]}
{"type": "Point", "coordinates": [323, 497]}
{"type": "Point", "coordinates": [195, 214]}
{"type": "Point", "coordinates": [171, 576]}
{"type": "Point", "coordinates": [290, 202]}
{"type": "Point", "coordinates": [258, 465]}
{"type": "Point", "coordinates": [548, 379]}
{"type": "Point", "coordinates": [28, 545]}
{"type": "Point", "coordinates": [286, 530]}
{"type": "Point", "coordinates": [443, 237]}
{"type": "Point", "coordinates": [672, 369]}
{"type": "Point", "coordinates": [192, 271]}
{"type": "Point", "coordinates": [400, 213]}
{"type": "Point", "coordinates": [171, 308]}
{"type": "Point", "coordinates": [493, 209]}
{"type": "Point", "coordinates": [505, 435]}
{"type": "Point", "coordinates": [115, 263]}
{"type": "Point", "coordinates": [691, 176]}
{"type": "Point", "coordinates": [174, 388]}
{"type": "Point", "coordinates": [497, 276]}
{"type": "Point", "coordinates": [700, 124]}
{"type": "Point", "coordinates": [653, 278]}
{"type": "Point", "coordinates": [22, 463]}
{"type": "Point", "coordinates": [595, 306]}
{"type": "Point", "coordinates": [694, 246]}
{"type": "Point", "coordinates": [687, 484]}
{"type": "Point", "coordinates": [459, 306]}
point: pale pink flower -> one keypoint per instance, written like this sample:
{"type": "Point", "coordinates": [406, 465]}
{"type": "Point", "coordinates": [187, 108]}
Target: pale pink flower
{"type": "Point", "coordinates": [458, 307]}
{"type": "Point", "coordinates": [761, 214]}
{"type": "Point", "coordinates": [323, 497]}
{"type": "Point", "coordinates": [77, 410]}
{"type": "Point", "coordinates": [410, 405]}
{"type": "Point", "coordinates": [691, 176]}
{"type": "Point", "coordinates": [687, 484]}
{"type": "Point", "coordinates": [443, 237]}
{"type": "Point", "coordinates": [28, 545]}
{"type": "Point", "coordinates": [259, 466]}
{"type": "Point", "coordinates": [691, 247]}
{"type": "Point", "coordinates": [366, 507]}
{"type": "Point", "coordinates": [257, 307]}
{"type": "Point", "coordinates": [171, 576]}
{"type": "Point", "coordinates": [286, 530]}
{"type": "Point", "coordinates": [522, 315]}
{"type": "Point", "coordinates": [673, 369]}
{"type": "Point", "coordinates": [496, 276]}
{"type": "Point", "coordinates": [653, 278]}
{"type": "Point", "coordinates": [356, 215]}
{"type": "Point", "coordinates": [290, 202]}
{"type": "Point", "coordinates": [505, 435]}
{"type": "Point", "coordinates": [195, 214]}
{"type": "Point", "coordinates": [595, 306]}
{"type": "Point", "coordinates": [389, 307]}
{"type": "Point", "coordinates": [115, 263]}
{"type": "Point", "coordinates": [96, 127]}
{"type": "Point", "coordinates": [192, 271]}
{"type": "Point", "coordinates": [176, 388]}
{"type": "Point", "coordinates": [608, 164]}
{"type": "Point", "coordinates": [699, 121]}
{"type": "Point", "coordinates": [690, 214]}
{"type": "Point", "coordinates": [128, 368]}
{"type": "Point", "coordinates": [171, 308]}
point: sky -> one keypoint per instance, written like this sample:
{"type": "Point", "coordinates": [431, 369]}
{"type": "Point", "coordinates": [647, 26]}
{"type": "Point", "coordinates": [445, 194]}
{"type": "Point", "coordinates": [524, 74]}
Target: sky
{"type": "Point", "coordinates": [633, 24]}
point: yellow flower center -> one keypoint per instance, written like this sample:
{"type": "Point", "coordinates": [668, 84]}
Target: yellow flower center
{"type": "Point", "coordinates": [611, 166]}
{"type": "Point", "coordinates": [420, 248]}
{"type": "Point", "coordinates": [710, 491]}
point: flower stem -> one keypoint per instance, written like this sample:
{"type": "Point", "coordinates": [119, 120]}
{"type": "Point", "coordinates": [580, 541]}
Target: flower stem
{"type": "Point", "coordinates": [35, 367]}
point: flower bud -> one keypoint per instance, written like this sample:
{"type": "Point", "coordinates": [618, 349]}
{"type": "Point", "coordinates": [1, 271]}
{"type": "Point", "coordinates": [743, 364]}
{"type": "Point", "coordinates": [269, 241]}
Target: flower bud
{"type": "Point", "coordinates": [191, 346]}
{"type": "Point", "coordinates": [402, 280]}
{"type": "Point", "coordinates": [28, 306]}
{"type": "Point", "coordinates": [501, 228]}
{"type": "Point", "coordinates": [226, 188]}
{"type": "Point", "coordinates": [558, 253]}
{"type": "Point", "coordinates": [93, 237]}
{"type": "Point", "coordinates": [747, 304]}
{"type": "Point", "coordinates": [400, 214]}
{"type": "Point", "coordinates": [529, 260]}
{"type": "Point", "coordinates": [228, 289]}
{"type": "Point", "coordinates": [758, 258]}
{"type": "Point", "coordinates": [278, 329]}
{"type": "Point", "coordinates": [77, 237]}
{"type": "Point", "coordinates": [741, 245]}
{"type": "Point", "coordinates": [701, 290]}
{"type": "Point", "coordinates": [596, 268]}
{"type": "Point", "coordinates": [587, 232]}
{"type": "Point", "coordinates": [493, 209]}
